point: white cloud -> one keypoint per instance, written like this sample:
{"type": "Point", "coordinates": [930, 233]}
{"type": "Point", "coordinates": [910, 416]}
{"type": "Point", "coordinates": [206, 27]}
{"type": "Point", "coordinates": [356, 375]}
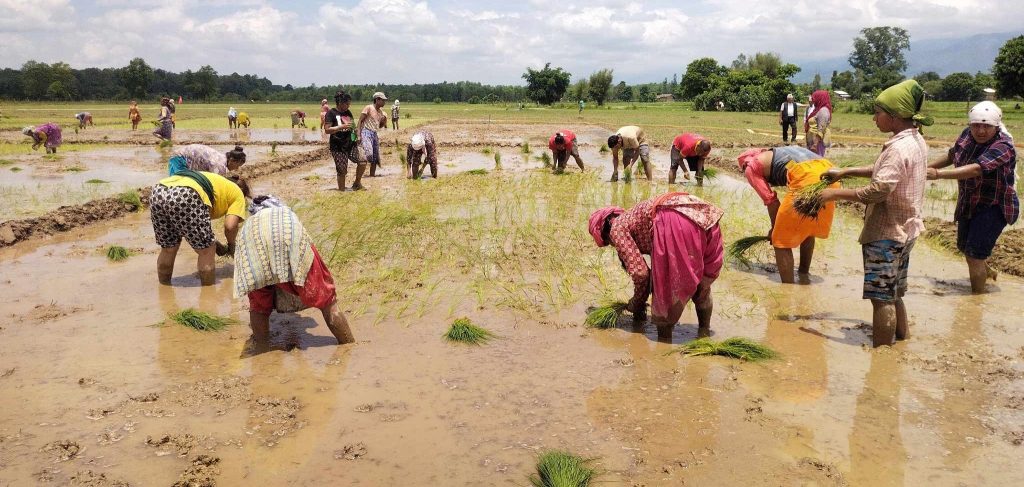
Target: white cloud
{"type": "Point", "coordinates": [40, 15]}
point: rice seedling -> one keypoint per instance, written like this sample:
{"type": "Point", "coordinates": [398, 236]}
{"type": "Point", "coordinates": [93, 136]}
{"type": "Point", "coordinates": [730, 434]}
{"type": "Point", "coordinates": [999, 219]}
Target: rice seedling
{"type": "Point", "coordinates": [463, 330]}
{"type": "Point", "coordinates": [73, 169]}
{"type": "Point", "coordinates": [96, 181]}
{"type": "Point", "coordinates": [807, 200]}
{"type": "Point", "coordinates": [166, 143]}
{"type": "Point", "coordinates": [401, 157]}
{"type": "Point", "coordinates": [118, 253]}
{"type": "Point", "coordinates": [606, 315]}
{"type": "Point", "coordinates": [15, 169]}
{"type": "Point", "coordinates": [497, 161]}
{"type": "Point", "coordinates": [131, 197]}
{"type": "Point", "coordinates": [604, 149]}
{"type": "Point", "coordinates": [200, 320]}
{"type": "Point", "coordinates": [710, 173]}
{"type": "Point", "coordinates": [525, 148]}
{"type": "Point", "coordinates": [476, 172]}
{"type": "Point", "coordinates": [312, 177]}
{"type": "Point", "coordinates": [486, 150]}
{"type": "Point", "coordinates": [556, 468]}
{"type": "Point", "coordinates": [738, 250]}
{"type": "Point", "coordinates": [273, 148]}
{"type": "Point", "coordinates": [6, 162]}
{"type": "Point", "coordinates": [545, 159]}
{"type": "Point", "coordinates": [735, 347]}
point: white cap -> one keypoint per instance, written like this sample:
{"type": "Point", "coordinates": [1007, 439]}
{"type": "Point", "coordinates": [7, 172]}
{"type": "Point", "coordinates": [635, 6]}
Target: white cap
{"type": "Point", "coordinates": [418, 141]}
{"type": "Point", "coordinates": [379, 94]}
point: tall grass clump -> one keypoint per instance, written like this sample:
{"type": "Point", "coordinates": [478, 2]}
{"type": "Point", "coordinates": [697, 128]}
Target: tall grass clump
{"type": "Point", "coordinates": [200, 320]}
{"type": "Point", "coordinates": [463, 330]}
{"type": "Point", "coordinates": [807, 200]}
{"type": "Point", "coordinates": [735, 347]}
{"type": "Point", "coordinates": [557, 468]}
{"type": "Point", "coordinates": [606, 315]}
{"type": "Point", "coordinates": [738, 250]}
{"type": "Point", "coordinates": [118, 253]}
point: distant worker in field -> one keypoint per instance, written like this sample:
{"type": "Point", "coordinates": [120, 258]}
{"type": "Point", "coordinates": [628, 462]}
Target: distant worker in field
{"type": "Point", "coordinates": [562, 145]}
{"type": "Point", "coordinates": [173, 109]}
{"type": "Point", "coordinates": [788, 113]}
{"type": "Point", "coordinates": [421, 152]}
{"type": "Point", "coordinates": [324, 108]}
{"type": "Point", "coordinates": [817, 127]}
{"type": "Point", "coordinates": [47, 135]}
{"type": "Point", "coordinates": [232, 118]}
{"type": "Point", "coordinates": [343, 141]}
{"type": "Point", "coordinates": [243, 120]}
{"type": "Point", "coordinates": [689, 151]}
{"type": "Point", "coordinates": [632, 141]}
{"type": "Point", "coordinates": [793, 167]}
{"type": "Point", "coordinates": [183, 206]}
{"type": "Point", "coordinates": [680, 234]}
{"type": "Point", "coordinates": [165, 130]}
{"type": "Point", "coordinates": [581, 104]}
{"type": "Point", "coordinates": [278, 268]}
{"type": "Point", "coordinates": [134, 115]}
{"type": "Point", "coordinates": [199, 157]}
{"type": "Point", "coordinates": [84, 119]}
{"type": "Point", "coordinates": [298, 118]}
{"type": "Point", "coordinates": [372, 119]}
{"type": "Point", "coordinates": [394, 115]}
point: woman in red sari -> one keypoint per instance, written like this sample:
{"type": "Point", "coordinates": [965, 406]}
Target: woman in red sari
{"type": "Point", "coordinates": [680, 232]}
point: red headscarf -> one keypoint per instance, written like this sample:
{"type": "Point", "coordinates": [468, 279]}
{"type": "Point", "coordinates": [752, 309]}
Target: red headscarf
{"type": "Point", "coordinates": [820, 99]}
{"type": "Point", "coordinates": [596, 223]}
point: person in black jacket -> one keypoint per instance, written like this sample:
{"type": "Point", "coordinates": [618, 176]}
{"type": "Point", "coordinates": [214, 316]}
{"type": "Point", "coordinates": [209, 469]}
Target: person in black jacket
{"type": "Point", "coordinates": [787, 118]}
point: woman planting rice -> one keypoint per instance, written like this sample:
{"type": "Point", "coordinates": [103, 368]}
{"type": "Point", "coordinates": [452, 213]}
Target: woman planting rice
{"type": "Point", "coordinates": [278, 267]}
{"type": "Point", "coordinates": [680, 232]}
{"type": "Point", "coordinates": [243, 120]}
{"type": "Point", "coordinates": [796, 168]}
{"type": "Point", "coordinates": [420, 153]}
{"type": "Point", "coordinates": [166, 128]}
{"type": "Point", "coordinates": [184, 205]}
{"type": "Point", "coordinates": [199, 157]}
{"type": "Point", "coordinates": [47, 135]}
{"type": "Point", "coordinates": [84, 119]}
{"type": "Point", "coordinates": [985, 162]}
{"type": "Point", "coordinates": [894, 197]}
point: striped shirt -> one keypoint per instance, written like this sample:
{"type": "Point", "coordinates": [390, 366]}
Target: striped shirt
{"type": "Point", "coordinates": [895, 196]}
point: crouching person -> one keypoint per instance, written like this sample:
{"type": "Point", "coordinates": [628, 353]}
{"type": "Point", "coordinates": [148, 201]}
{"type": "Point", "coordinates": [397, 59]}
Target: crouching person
{"type": "Point", "coordinates": [278, 268]}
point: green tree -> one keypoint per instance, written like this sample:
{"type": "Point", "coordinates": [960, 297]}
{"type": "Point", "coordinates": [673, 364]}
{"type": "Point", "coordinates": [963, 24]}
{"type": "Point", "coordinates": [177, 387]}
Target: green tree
{"type": "Point", "coordinates": [696, 79]}
{"type": "Point", "coordinates": [547, 85]}
{"type": "Point", "coordinates": [137, 76]}
{"type": "Point", "coordinates": [927, 76]}
{"type": "Point", "coordinates": [57, 91]}
{"type": "Point", "coordinates": [768, 63]}
{"type": "Point", "coordinates": [848, 81]}
{"type": "Point", "coordinates": [1009, 68]}
{"type": "Point", "coordinates": [623, 92]}
{"type": "Point", "coordinates": [959, 87]}
{"type": "Point", "coordinates": [579, 90]}
{"type": "Point", "coordinates": [984, 80]}
{"type": "Point", "coordinates": [204, 83]}
{"type": "Point", "coordinates": [600, 85]}
{"type": "Point", "coordinates": [879, 54]}
{"type": "Point", "coordinates": [816, 85]}
{"type": "Point", "coordinates": [645, 94]}
{"type": "Point", "coordinates": [35, 79]}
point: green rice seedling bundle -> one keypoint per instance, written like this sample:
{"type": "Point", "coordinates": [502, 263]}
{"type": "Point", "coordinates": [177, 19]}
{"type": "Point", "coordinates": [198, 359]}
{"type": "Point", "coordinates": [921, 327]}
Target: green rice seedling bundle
{"type": "Point", "coordinates": [561, 469]}
{"type": "Point", "coordinates": [476, 172]}
{"type": "Point", "coordinates": [15, 169]}
{"type": "Point", "coordinates": [96, 181]}
{"type": "Point", "coordinates": [710, 173]}
{"type": "Point", "coordinates": [545, 158]}
{"type": "Point", "coordinates": [273, 148]}
{"type": "Point", "coordinates": [486, 150]}
{"type": "Point", "coordinates": [603, 149]}
{"type": "Point", "coordinates": [166, 143]}
{"type": "Point", "coordinates": [739, 250]}
{"type": "Point", "coordinates": [131, 197]}
{"type": "Point", "coordinates": [606, 315]}
{"type": "Point", "coordinates": [525, 147]}
{"type": "Point", "coordinates": [497, 160]}
{"type": "Point", "coordinates": [807, 200]}
{"type": "Point", "coordinates": [735, 347]}
{"type": "Point", "coordinates": [118, 253]}
{"type": "Point", "coordinates": [463, 330]}
{"type": "Point", "coordinates": [200, 320]}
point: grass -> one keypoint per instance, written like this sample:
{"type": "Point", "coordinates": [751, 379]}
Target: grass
{"type": "Point", "coordinates": [118, 253]}
{"type": "Point", "coordinates": [131, 197]}
{"type": "Point", "coordinates": [556, 468]}
{"type": "Point", "coordinates": [606, 315]}
{"type": "Point", "coordinates": [463, 330]}
{"type": "Point", "coordinates": [735, 347]}
{"type": "Point", "coordinates": [6, 162]}
{"type": "Point", "coordinates": [477, 172]}
{"type": "Point", "coordinates": [312, 177]}
{"type": "Point", "coordinates": [738, 250]}
{"type": "Point", "coordinates": [96, 181]}
{"type": "Point", "coordinates": [73, 169]}
{"type": "Point", "coordinates": [15, 169]}
{"type": "Point", "coordinates": [807, 200]}
{"type": "Point", "coordinates": [199, 320]}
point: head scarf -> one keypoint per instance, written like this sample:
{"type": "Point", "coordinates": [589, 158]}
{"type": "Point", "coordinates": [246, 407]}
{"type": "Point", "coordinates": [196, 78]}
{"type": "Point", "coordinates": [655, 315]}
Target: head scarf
{"type": "Point", "coordinates": [28, 130]}
{"type": "Point", "coordinates": [596, 223]}
{"type": "Point", "coordinates": [418, 141]}
{"type": "Point", "coordinates": [265, 202]}
{"type": "Point", "coordinates": [748, 156]}
{"type": "Point", "coordinates": [819, 99]}
{"type": "Point", "coordinates": [904, 100]}
{"type": "Point", "coordinates": [988, 113]}
{"type": "Point", "coordinates": [324, 101]}
{"type": "Point", "coordinates": [396, 102]}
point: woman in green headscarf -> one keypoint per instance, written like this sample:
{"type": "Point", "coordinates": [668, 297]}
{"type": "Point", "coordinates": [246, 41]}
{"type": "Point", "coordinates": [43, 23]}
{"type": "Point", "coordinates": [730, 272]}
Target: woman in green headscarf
{"type": "Point", "coordinates": [893, 199]}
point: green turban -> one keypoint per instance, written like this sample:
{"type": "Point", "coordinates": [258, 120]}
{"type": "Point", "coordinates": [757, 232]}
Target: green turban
{"type": "Point", "coordinates": [904, 100]}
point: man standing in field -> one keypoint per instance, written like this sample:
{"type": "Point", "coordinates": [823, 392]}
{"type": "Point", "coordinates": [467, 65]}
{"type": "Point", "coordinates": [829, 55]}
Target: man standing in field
{"type": "Point", "coordinates": [689, 151]}
{"type": "Point", "coordinates": [371, 119]}
{"type": "Point", "coordinates": [787, 118]}
{"type": "Point", "coordinates": [344, 146]}
{"type": "Point", "coordinates": [563, 145]}
{"type": "Point", "coordinates": [633, 144]}
{"type": "Point", "coordinates": [394, 115]}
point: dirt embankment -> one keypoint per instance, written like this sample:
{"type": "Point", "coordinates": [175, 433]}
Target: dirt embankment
{"type": "Point", "coordinates": [69, 217]}
{"type": "Point", "coordinates": [1007, 257]}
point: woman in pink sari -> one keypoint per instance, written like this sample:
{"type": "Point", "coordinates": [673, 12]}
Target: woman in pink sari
{"type": "Point", "coordinates": [680, 232]}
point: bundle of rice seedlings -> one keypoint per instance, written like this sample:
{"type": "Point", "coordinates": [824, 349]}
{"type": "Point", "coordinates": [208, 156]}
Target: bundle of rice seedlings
{"type": "Point", "coordinates": [200, 320]}
{"type": "Point", "coordinates": [463, 330]}
{"type": "Point", "coordinates": [738, 249]}
{"type": "Point", "coordinates": [606, 315]}
{"type": "Point", "coordinates": [485, 150]}
{"type": "Point", "coordinates": [15, 169]}
{"type": "Point", "coordinates": [557, 468]}
{"type": "Point", "coordinates": [118, 253]}
{"type": "Point", "coordinates": [525, 147]}
{"type": "Point", "coordinates": [166, 143]}
{"type": "Point", "coordinates": [545, 158]}
{"type": "Point", "coordinates": [273, 148]}
{"type": "Point", "coordinates": [807, 200]}
{"type": "Point", "coordinates": [477, 172]}
{"type": "Point", "coordinates": [401, 157]}
{"type": "Point", "coordinates": [710, 173]}
{"type": "Point", "coordinates": [131, 197]}
{"type": "Point", "coordinates": [96, 181]}
{"type": "Point", "coordinates": [735, 347]}
{"type": "Point", "coordinates": [497, 160]}
{"type": "Point", "coordinates": [603, 149]}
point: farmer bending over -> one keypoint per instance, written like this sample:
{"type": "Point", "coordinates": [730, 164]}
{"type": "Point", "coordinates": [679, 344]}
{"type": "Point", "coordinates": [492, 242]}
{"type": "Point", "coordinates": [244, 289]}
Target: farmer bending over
{"type": "Point", "coordinates": [680, 233]}
{"type": "Point", "coordinates": [694, 148]}
{"type": "Point", "coordinates": [633, 144]}
{"type": "Point", "coordinates": [184, 205]}
{"type": "Point", "coordinates": [278, 268]}
{"type": "Point", "coordinates": [84, 118]}
{"type": "Point", "coordinates": [298, 118]}
{"type": "Point", "coordinates": [47, 135]}
{"type": "Point", "coordinates": [421, 152]}
{"type": "Point", "coordinates": [199, 157]}
{"type": "Point", "coordinates": [563, 145]}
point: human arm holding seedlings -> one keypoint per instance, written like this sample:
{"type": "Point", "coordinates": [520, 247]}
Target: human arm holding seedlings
{"type": "Point", "coordinates": [635, 265]}
{"type": "Point", "coordinates": [835, 194]}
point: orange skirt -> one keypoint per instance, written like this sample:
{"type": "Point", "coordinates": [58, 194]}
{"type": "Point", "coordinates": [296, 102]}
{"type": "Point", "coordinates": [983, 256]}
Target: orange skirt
{"type": "Point", "coordinates": [792, 228]}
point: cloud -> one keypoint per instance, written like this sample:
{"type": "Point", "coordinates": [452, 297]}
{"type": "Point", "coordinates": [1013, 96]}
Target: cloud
{"type": "Point", "coordinates": [37, 15]}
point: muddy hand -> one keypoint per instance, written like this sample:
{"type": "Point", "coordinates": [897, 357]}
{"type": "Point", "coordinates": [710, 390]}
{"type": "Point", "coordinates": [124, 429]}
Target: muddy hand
{"type": "Point", "coordinates": [832, 175]}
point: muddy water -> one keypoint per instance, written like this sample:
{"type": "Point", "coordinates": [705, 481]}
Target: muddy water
{"type": "Point", "coordinates": [184, 136]}
{"type": "Point", "coordinates": [400, 407]}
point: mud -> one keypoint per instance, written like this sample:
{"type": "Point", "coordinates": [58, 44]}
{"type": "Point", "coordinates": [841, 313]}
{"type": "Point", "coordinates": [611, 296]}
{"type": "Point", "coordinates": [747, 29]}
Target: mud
{"type": "Point", "coordinates": [1007, 257]}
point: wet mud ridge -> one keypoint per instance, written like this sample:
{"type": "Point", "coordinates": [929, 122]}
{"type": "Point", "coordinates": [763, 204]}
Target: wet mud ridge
{"type": "Point", "coordinates": [1007, 257]}
{"type": "Point", "coordinates": [70, 217]}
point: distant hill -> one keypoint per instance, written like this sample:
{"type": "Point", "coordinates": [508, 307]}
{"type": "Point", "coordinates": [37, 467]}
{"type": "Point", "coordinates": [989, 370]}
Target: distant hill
{"type": "Point", "coordinates": [944, 56]}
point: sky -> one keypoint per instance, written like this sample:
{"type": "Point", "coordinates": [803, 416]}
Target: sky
{"type": "Point", "coordinates": [403, 41]}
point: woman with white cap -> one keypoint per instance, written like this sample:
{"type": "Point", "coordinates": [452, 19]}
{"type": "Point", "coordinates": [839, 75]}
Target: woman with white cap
{"type": "Point", "coordinates": [394, 115]}
{"type": "Point", "coordinates": [984, 161]}
{"type": "Point", "coordinates": [371, 119]}
{"type": "Point", "coordinates": [422, 142]}
{"type": "Point", "coordinates": [47, 135]}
